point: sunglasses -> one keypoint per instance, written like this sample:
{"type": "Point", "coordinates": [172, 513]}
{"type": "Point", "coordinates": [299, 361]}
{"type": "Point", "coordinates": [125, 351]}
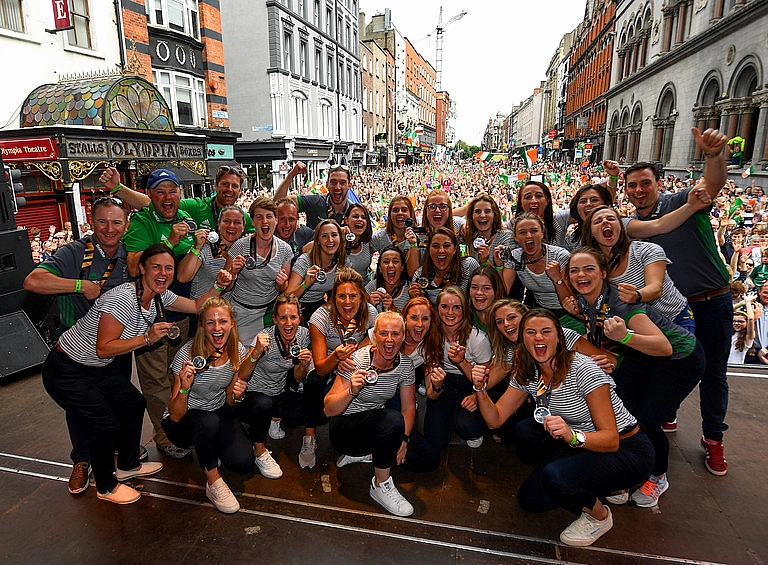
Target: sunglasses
{"type": "Point", "coordinates": [223, 170]}
{"type": "Point", "coordinates": [338, 167]}
{"type": "Point", "coordinates": [103, 200]}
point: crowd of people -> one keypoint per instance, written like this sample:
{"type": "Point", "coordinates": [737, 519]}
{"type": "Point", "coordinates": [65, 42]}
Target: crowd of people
{"type": "Point", "coordinates": [527, 311]}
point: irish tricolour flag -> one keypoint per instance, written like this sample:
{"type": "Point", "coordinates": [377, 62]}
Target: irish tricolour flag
{"type": "Point", "coordinates": [529, 156]}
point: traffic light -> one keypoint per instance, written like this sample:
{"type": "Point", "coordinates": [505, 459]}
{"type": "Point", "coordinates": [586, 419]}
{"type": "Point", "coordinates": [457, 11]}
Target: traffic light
{"type": "Point", "coordinates": [13, 178]}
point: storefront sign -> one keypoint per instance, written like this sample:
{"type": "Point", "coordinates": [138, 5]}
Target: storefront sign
{"type": "Point", "coordinates": [219, 151]}
{"type": "Point", "coordinates": [123, 149]}
{"type": "Point", "coordinates": [61, 18]}
{"type": "Point", "coordinates": [32, 149]}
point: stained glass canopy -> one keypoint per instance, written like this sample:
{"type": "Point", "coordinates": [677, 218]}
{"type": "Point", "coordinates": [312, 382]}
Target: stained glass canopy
{"type": "Point", "coordinates": [122, 103]}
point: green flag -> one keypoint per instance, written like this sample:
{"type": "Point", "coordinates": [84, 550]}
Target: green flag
{"type": "Point", "coordinates": [735, 206]}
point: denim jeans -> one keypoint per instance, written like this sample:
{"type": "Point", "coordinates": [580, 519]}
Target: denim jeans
{"type": "Point", "coordinates": [216, 435]}
{"type": "Point", "coordinates": [652, 388]}
{"type": "Point", "coordinates": [573, 478]}
{"type": "Point", "coordinates": [105, 407]}
{"type": "Point", "coordinates": [714, 327]}
{"type": "Point", "coordinates": [446, 412]}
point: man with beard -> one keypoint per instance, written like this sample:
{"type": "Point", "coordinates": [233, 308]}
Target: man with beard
{"type": "Point", "coordinates": [289, 229]}
{"type": "Point", "coordinates": [161, 222]}
{"type": "Point", "coordinates": [79, 273]}
{"type": "Point", "coordinates": [319, 207]}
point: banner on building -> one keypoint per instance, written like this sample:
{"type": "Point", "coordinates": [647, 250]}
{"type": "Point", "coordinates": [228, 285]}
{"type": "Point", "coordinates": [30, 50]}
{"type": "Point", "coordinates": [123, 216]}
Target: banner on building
{"type": "Point", "coordinates": [61, 17]}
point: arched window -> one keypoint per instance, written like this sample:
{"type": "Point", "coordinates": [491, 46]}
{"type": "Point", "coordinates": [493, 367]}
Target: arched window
{"type": "Point", "coordinates": [299, 116]}
{"type": "Point", "coordinates": [324, 119]}
{"type": "Point", "coordinates": [664, 124]}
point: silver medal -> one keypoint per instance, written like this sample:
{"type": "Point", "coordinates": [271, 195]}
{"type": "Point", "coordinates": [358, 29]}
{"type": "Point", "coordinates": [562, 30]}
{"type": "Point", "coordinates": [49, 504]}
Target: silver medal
{"type": "Point", "coordinates": [199, 363]}
{"type": "Point", "coordinates": [540, 413]}
{"type": "Point", "coordinates": [371, 376]}
{"type": "Point", "coordinates": [381, 290]}
{"type": "Point", "coordinates": [295, 350]}
{"type": "Point", "coordinates": [213, 237]}
{"type": "Point", "coordinates": [321, 277]}
{"type": "Point", "coordinates": [174, 332]}
{"type": "Point", "coordinates": [250, 263]}
{"type": "Point", "coordinates": [505, 254]}
{"type": "Point", "coordinates": [191, 223]}
{"type": "Point", "coordinates": [479, 241]}
{"type": "Point", "coordinates": [350, 237]}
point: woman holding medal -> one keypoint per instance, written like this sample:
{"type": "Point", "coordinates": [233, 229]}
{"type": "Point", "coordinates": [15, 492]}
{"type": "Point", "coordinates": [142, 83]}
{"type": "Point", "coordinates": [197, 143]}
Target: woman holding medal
{"type": "Point", "coordinates": [442, 265]}
{"type": "Point", "coordinates": [79, 373]}
{"type": "Point", "coordinates": [283, 360]}
{"type": "Point", "coordinates": [363, 429]}
{"type": "Point", "coordinates": [314, 272]}
{"type": "Point", "coordinates": [583, 440]}
{"type": "Point", "coordinates": [399, 232]}
{"type": "Point", "coordinates": [207, 383]}
{"type": "Point", "coordinates": [335, 330]}
{"type": "Point", "coordinates": [266, 265]}
{"type": "Point", "coordinates": [390, 288]}
{"type": "Point", "coordinates": [483, 231]}
{"type": "Point", "coordinates": [529, 262]}
{"type": "Point", "coordinates": [660, 363]}
{"type": "Point", "coordinates": [358, 240]}
{"type": "Point", "coordinates": [209, 254]}
{"type": "Point", "coordinates": [450, 402]}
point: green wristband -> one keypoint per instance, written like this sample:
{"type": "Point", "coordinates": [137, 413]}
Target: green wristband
{"type": "Point", "coordinates": [626, 338]}
{"type": "Point", "coordinates": [611, 177]}
{"type": "Point", "coordinates": [78, 286]}
{"type": "Point", "coordinates": [183, 391]}
{"type": "Point", "coordinates": [116, 189]}
{"type": "Point", "coordinates": [305, 287]}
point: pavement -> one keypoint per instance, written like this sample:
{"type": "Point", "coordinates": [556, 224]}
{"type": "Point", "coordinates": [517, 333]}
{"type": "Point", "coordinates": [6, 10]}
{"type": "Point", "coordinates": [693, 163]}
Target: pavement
{"type": "Point", "coordinates": [464, 512]}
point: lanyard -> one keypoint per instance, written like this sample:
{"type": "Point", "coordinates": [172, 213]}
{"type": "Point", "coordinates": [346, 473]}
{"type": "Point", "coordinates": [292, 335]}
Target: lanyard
{"type": "Point", "coordinates": [218, 249]}
{"type": "Point", "coordinates": [594, 316]}
{"type": "Point", "coordinates": [543, 392]}
{"type": "Point", "coordinates": [211, 358]}
{"type": "Point", "coordinates": [139, 292]}
{"type": "Point", "coordinates": [254, 253]}
{"type": "Point", "coordinates": [90, 248]}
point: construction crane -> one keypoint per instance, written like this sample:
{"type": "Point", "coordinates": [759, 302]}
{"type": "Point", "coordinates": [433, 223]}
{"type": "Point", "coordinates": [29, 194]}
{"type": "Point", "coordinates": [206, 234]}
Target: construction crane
{"type": "Point", "coordinates": [439, 56]}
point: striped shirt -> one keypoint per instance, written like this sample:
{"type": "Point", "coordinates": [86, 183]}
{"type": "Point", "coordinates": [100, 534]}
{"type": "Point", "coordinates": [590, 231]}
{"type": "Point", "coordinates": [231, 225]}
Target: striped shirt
{"type": "Point", "coordinates": [316, 290]}
{"type": "Point", "coordinates": [540, 284]}
{"type": "Point", "coordinates": [360, 261]}
{"type": "Point", "coordinates": [468, 265]}
{"type": "Point", "coordinates": [271, 370]}
{"type": "Point", "coordinates": [208, 391]}
{"type": "Point", "coordinates": [373, 396]}
{"type": "Point", "coordinates": [206, 274]}
{"type": "Point", "coordinates": [79, 341]}
{"type": "Point", "coordinates": [642, 254]}
{"type": "Point", "coordinates": [501, 237]}
{"type": "Point", "coordinates": [398, 301]}
{"type": "Point", "coordinates": [381, 241]}
{"type": "Point", "coordinates": [256, 287]}
{"type": "Point", "coordinates": [322, 321]}
{"type": "Point", "coordinates": [569, 400]}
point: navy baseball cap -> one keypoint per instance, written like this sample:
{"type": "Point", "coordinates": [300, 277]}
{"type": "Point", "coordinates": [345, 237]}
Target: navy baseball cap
{"type": "Point", "coordinates": [161, 175]}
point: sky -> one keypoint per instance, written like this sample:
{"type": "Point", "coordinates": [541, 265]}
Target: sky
{"type": "Point", "coordinates": [493, 57]}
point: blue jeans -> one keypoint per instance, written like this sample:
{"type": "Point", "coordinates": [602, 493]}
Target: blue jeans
{"type": "Point", "coordinates": [216, 435]}
{"type": "Point", "coordinates": [446, 412]}
{"type": "Point", "coordinates": [573, 478]}
{"type": "Point", "coordinates": [653, 387]}
{"type": "Point", "coordinates": [714, 327]}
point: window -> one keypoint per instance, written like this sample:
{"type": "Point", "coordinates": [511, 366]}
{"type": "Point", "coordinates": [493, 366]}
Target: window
{"type": "Point", "coordinates": [328, 21]}
{"type": "Point", "coordinates": [341, 77]}
{"type": "Point", "coordinates": [288, 51]}
{"type": "Point", "coordinates": [81, 35]}
{"type": "Point", "coordinates": [316, 14]}
{"type": "Point", "coordinates": [176, 15]}
{"type": "Point", "coordinates": [300, 9]}
{"type": "Point", "coordinates": [299, 112]}
{"type": "Point", "coordinates": [185, 95]}
{"type": "Point", "coordinates": [303, 59]}
{"type": "Point", "coordinates": [329, 71]}
{"type": "Point", "coordinates": [365, 98]}
{"type": "Point", "coordinates": [318, 65]}
{"type": "Point", "coordinates": [11, 15]}
{"type": "Point", "coordinates": [324, 111]}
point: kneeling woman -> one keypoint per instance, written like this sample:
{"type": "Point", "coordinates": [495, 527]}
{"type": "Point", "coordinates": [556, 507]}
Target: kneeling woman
{"type": "Point", "coordinates": [96, 393]}
{"type": "Point", "coordinates": [361, 424]}
{"type": "Point", "coordinates": [583, 439]}
{"type": "Point", "coordinates": [205, 387]}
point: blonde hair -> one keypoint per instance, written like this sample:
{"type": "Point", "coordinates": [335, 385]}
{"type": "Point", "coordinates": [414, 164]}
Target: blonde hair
{"type": "Point", "coordinates": [231, 347]}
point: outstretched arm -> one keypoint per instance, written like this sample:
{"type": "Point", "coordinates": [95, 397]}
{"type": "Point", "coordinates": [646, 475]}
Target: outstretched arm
{"type": "Point", "coordinates": [282, 189]}
{"type": "Point", "coordinates": [111, 180]}
{"type": "Point", "coordinates": [711, 143]}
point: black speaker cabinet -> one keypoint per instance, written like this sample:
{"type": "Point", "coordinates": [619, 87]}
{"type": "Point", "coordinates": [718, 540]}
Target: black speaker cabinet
{"type": "Point", "coordinates": [21, 346]}
{"type": "Point", "coordinates": [15, 259]}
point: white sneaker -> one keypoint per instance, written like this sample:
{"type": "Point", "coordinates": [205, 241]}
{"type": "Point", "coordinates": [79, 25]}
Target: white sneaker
{"type": "Point", "coordinates": [345, 460]}
{"type": "Point", "coordinates": [275, 431]}
{"type": "Point", "coordinates": [586, 530]}
{"type": "Point", "coordinates": [475, 443]}
{"type": "Point", "coordinates": [618, 497]}
{"type": "Point", "coordinates": [221, 497]}
{"type": "Point", "coordinates": [307, 457]}
{"type": "Point", "coordinates": [143, 470]}
{"type": "Point", "coordinates": [268, 466]}
{"type": "Point", "coordinates": [390, 498]}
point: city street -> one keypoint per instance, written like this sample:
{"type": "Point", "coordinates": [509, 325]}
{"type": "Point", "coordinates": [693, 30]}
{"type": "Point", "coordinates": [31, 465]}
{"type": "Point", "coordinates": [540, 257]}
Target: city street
{"type": "Point", "coordinates": [465, 511]}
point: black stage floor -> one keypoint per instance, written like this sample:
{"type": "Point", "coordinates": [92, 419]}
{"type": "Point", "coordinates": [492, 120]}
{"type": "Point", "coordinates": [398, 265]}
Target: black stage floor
{"type": "Point", "coordinates": [465, 512]}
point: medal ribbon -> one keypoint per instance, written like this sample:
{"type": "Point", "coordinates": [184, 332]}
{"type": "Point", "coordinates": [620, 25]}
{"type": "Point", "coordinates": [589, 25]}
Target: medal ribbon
{"type": "Point", "coordinates": [594, 316]}
{"type": "Point", "coordinates": [211, 358]}
{"type": "Point", "coordinates": [88, 262]}
{"type": "Point", "coordinates": [543, 392]}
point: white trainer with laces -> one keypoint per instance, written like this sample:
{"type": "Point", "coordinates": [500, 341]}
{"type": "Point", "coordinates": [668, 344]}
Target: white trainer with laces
{"type": "Point", "coordinates": [345, 460]}
{"type": "Point", "coordinates": [390, 498]}
{"type": "Point", "coordinates": [221, 497]}
{"type": "Point", "coordinates": [307, 457]}
{"type": "Point", "coordinates": [586, 530]}
{"type": "Point", "coordinates": [268, 466]}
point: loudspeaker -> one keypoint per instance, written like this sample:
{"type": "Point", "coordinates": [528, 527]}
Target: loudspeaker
{"type": "Point", "coordinates": [21, 346]}
{"type": "Point", "coordinates": [15, 259]}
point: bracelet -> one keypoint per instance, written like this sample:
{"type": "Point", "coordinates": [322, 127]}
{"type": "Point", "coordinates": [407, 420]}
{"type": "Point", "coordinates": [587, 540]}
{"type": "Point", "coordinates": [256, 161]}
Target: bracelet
{"type": "Point", "coordinates": [236, 400]}
{"type": "Point", "coordinates": [218, 288]}
{"type": "Point", "coordinates": [116, 189]}
{"type": "Point", "coordinates": [146, 339]}
{"type": "Point", "coordinates": [484, 263]}
{"type": "Point", "coordinates": [574, 440]}
{"type": "Point", "coordinates": [78, 286]}
{"type": "Point", "coordinates": [414, 245]}
{"type": "Point", "coordinates": [639, 297]}
{"type": "Point", "coordinates": [626, 338]}
{"type": "Point", "coordinates": [169, 244]}
{"type": "Point", "coordinates": [194, 251]}
{"type": "Point", "coordinates": [349, 390]}
{"type": "Point", "coordinates": [184, 390]}
{"type": "Point", "coordinates": [436, 389]}
{"type": "Point", "coordinates": [485, 385]}
{"type": "Point", "coordinates": [304, 286]}
{"type": "Point", "coordinates": [611, 177]}
{"type": "Point", "coordinates": [498, 267]}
